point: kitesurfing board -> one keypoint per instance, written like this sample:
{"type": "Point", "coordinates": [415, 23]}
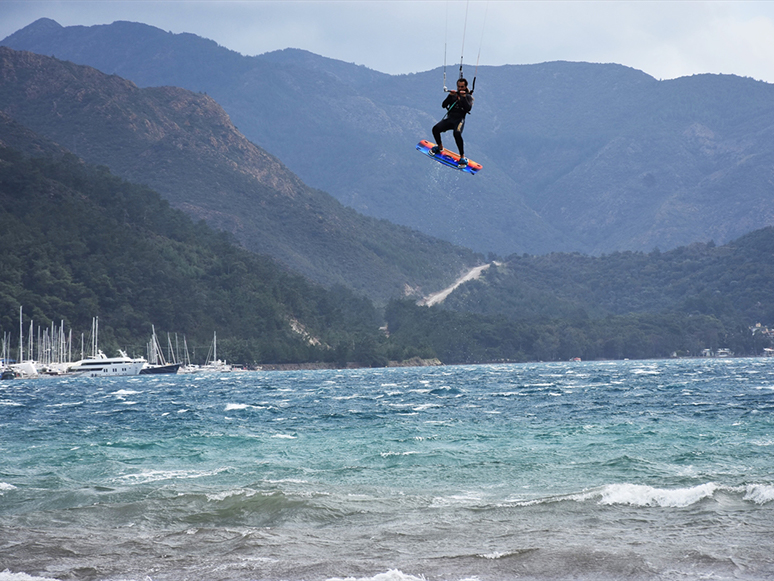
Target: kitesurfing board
{"type": "Point", "coordinates": [447, 157]}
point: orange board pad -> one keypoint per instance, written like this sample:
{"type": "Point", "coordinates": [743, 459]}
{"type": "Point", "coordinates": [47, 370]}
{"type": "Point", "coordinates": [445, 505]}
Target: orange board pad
{"type": "Point", "coordinates": [449, 158]}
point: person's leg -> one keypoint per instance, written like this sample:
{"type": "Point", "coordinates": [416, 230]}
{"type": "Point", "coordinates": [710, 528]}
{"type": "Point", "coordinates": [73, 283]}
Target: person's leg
{"type": "Point", "coordinates": [440, 127]}
{"type": "Point", "coordinates": [437, 133]}
{"type": "Point", "coordinates": [458, 138]}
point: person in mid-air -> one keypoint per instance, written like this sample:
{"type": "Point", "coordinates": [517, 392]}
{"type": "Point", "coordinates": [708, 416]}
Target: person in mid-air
{"type": "Point", "coordinates": [457, 104]}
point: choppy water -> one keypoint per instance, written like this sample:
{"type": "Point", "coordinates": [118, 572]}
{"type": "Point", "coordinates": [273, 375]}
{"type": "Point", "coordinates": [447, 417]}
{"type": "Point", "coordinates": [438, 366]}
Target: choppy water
{"type": "Point", "coordinates": [614, 470]}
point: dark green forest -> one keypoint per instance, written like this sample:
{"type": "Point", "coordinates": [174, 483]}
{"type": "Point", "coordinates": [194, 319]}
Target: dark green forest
{"type": "Point", "coordinates": [77, 242]}
{"type": "Point", "coordinates": [621, 305]}
{"type": "Point", "coordinates": [471, 338]}
{"type": "Point", "coordinates": [731, 282]}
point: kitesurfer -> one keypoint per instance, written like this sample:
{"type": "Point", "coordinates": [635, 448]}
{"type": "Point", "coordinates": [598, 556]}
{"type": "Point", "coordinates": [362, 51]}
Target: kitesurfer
{"type": "Point", "coordinates": [457, 104]}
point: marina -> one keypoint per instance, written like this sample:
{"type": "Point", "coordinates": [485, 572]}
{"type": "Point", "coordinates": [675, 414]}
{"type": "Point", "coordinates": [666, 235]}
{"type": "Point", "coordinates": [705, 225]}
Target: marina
{"type": "Point", "coordinates": [51, 354]}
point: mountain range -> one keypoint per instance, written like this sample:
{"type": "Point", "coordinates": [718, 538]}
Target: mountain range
{"type": "Point", "coordinates": [581, 157]}
{"type": "Point", "coordinates": [184, 146]}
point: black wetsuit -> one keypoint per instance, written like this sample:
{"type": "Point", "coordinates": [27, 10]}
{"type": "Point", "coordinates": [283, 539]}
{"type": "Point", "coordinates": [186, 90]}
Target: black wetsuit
{"type": "Point", "coordinates": [456, 109]}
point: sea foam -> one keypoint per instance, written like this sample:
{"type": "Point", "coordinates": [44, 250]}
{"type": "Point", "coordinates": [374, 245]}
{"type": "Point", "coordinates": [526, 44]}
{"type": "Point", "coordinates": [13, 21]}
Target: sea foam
{"type": "Point", "coordinates": [760, 493]}
{"type": "Point", "coordinates": [391, 575]}
{"type": "Point", "coordinates": [8, 576]}
{"type": "Point", "coordinates": [641, 495]}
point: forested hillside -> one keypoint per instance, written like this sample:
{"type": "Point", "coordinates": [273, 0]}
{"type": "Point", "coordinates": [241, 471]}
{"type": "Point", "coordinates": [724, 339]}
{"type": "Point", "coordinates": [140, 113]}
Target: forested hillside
{"type": "Point", "coordinates": [734, 280]}
{"type": "Point", "coordinates": [78, 242]}
{"type": "Point", "coordinates": [184, 146]}
{"type": "Point", "coordinates": [457, 337]}
{"type": "Point", "coordinates": [621, 305]}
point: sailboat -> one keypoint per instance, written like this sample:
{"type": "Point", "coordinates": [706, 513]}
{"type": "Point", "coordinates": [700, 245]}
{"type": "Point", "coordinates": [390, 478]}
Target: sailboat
{"type": "Point", "coordinates": [156, 362]}
{"type": "Point", "coordinates": [23, 368]}
{"type": "Point", "coordinates": [187, 366]}
{"type": "Point", "coordinates": [215, 365]}
{"type": "Point", "coordinates": [5, 371]}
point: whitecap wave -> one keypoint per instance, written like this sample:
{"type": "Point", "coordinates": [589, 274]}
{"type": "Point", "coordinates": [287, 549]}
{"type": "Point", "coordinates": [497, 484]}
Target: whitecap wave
{"type": "Point", "coordinates": [759, 493]}
{"type": "Point", "coordinates": [648, 496]}
{"type": "Point", "coordinates": [8, 576]}
{"type": "Point", "coordinates": [464, 500]}
{"type": "Point", "coordinates": [9, 403]}
{"type": "Point", "coordinates": [495, 555]}
{"type": "Point", "coordinates": [645, 371]}
{"type": "Point", "coordinates": [642, 495]}
{"type": "Point", "coordinates": [391, 575]}
{"type": "Point", "coordinates": [425, 406]}
{"type": "Point", "coordinates": [220, 496]}
{"type": "Point", "coordinates": [149, 476]}
{"type": "Point", "coordinates": [505, 554]}
{"type": "Point", "coordinates": [388, 454]}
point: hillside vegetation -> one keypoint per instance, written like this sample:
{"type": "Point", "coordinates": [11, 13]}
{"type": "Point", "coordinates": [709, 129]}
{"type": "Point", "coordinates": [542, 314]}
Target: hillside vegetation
{"type": "Point", "coordinates": [622, 305]}
{"type": "Point", "coordinates": [184, 146]}
{"type": "Point", "coordinates": [78, 242]}
{"type": "Point", "coordinates": [733, 280]}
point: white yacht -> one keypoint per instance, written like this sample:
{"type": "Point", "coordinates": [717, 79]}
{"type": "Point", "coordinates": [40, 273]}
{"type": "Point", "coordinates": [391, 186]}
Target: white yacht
{"type": "Point", "coordinates": [103, 366]}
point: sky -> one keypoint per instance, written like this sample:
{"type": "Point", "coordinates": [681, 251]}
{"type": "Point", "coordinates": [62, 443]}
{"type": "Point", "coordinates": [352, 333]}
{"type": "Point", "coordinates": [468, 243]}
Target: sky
{"type": "Point", "coordinates": [666, 39]}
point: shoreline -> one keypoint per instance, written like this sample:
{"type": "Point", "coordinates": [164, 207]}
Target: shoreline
{"type": "Point", "coordinates": [413, 362]}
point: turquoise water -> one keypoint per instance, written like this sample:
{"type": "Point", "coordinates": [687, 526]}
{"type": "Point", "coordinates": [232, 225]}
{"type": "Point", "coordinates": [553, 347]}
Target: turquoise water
{"type": "Point", "coordinates": [611, 470]}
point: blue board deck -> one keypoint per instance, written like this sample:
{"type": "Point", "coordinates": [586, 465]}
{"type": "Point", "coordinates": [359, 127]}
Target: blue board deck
{"type": "Point", "coordinates": [449, 158]}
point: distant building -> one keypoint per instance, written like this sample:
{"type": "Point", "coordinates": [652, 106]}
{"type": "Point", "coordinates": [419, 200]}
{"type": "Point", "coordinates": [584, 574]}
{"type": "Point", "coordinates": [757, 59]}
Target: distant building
{"type": "Point", "coordinates": [718, 353]}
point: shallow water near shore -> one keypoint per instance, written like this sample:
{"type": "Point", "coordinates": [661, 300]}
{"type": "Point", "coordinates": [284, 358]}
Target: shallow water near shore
{"type": "Point", "coordinates": [592, 470]}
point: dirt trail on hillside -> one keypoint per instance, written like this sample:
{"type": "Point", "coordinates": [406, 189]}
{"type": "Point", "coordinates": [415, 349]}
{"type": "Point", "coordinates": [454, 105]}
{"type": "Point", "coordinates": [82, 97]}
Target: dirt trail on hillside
{"type": "Point", "coordinates": [440, 296]}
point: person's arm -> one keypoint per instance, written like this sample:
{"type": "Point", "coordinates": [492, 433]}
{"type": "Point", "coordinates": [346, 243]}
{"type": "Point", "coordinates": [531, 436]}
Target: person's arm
{"type": "Point", "coordinates": [468, 102]}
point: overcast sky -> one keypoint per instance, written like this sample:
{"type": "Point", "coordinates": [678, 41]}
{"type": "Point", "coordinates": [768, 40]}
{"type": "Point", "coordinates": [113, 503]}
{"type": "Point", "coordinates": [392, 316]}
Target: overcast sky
{"type": "Point", "coordinates": [666, 39]}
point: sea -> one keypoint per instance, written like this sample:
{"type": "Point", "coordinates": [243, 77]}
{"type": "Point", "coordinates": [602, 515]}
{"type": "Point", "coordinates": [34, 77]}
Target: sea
{"type": "Point", "coordinates": [539, 471]}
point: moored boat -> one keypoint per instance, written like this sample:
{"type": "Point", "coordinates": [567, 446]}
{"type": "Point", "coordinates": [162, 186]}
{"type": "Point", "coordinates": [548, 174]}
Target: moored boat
{"type": "Point", "coordinates": [153, 369]}
{"type": "Point", "coordinates": [103, 366]}
{"type": "Point", "coordinates": [215, 365]}
{"type": "Point", "coordinates": [156, 362]}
